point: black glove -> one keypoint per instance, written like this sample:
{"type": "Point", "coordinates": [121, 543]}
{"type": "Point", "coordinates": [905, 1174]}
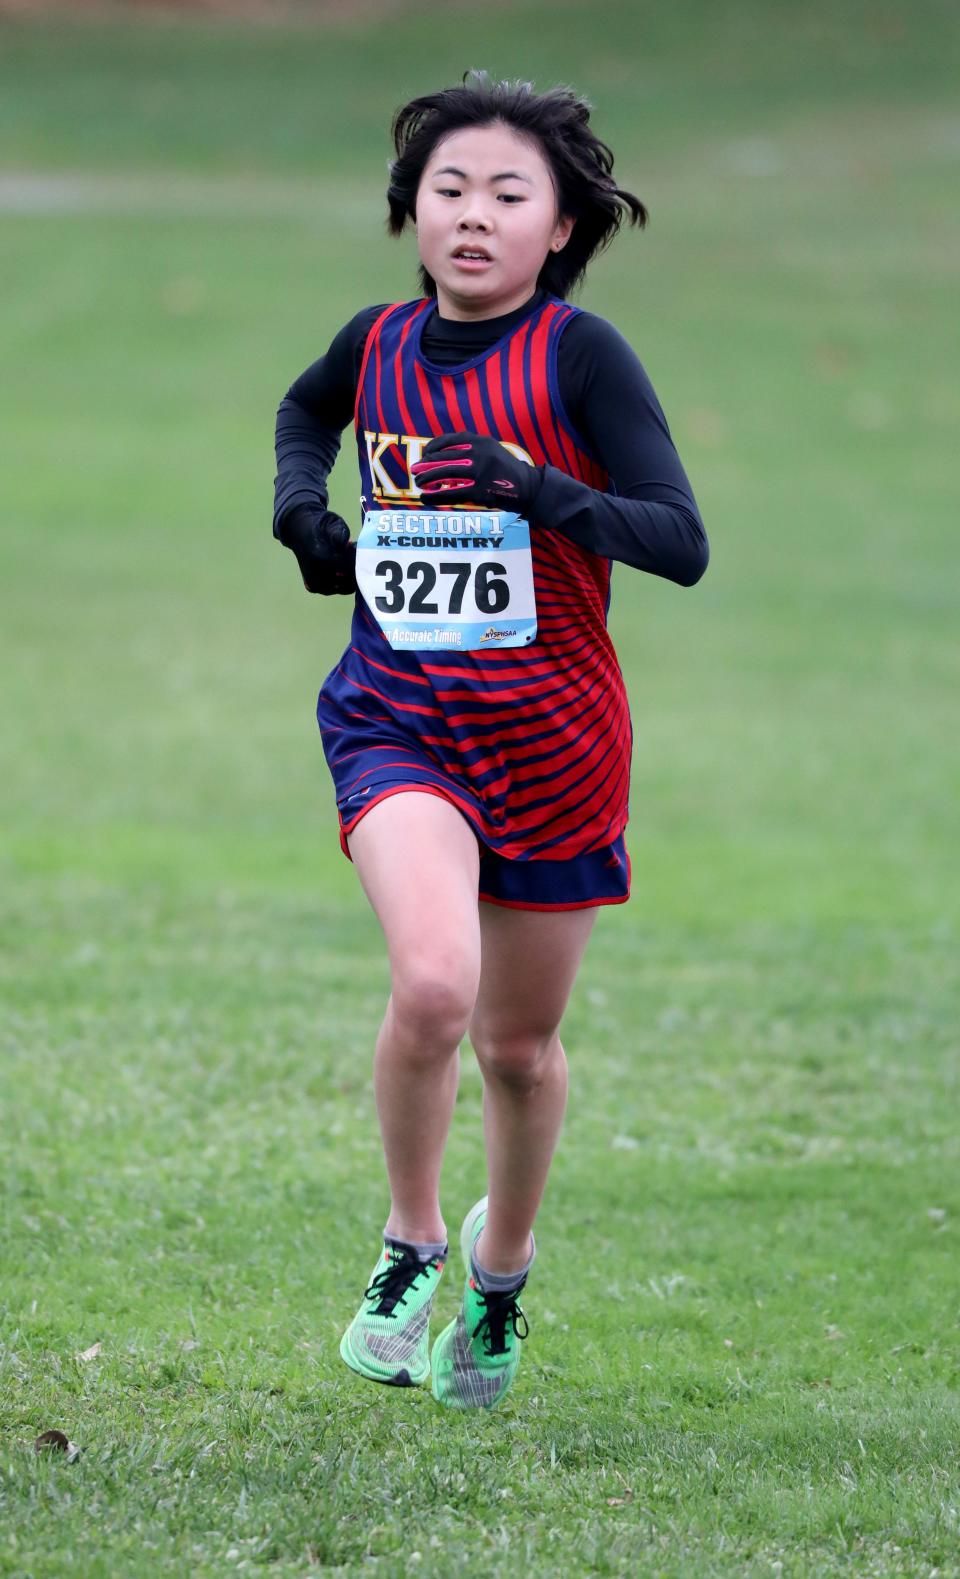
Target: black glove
{"type": "Point", "coordinates": [474, 468]}
{"type": "Point", "coordinates": [321, 542]}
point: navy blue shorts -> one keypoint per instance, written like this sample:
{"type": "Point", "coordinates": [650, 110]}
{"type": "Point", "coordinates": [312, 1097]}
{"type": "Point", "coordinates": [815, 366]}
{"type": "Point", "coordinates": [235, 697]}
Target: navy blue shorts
{"type": "Point", "coordinates": [601, 877]}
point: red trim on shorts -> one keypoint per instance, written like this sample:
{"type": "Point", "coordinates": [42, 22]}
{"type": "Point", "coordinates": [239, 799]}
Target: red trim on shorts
{"type": "Point", "coordinates": [395, 789]}
{"type": "Point", "coordinates": [580, 904]}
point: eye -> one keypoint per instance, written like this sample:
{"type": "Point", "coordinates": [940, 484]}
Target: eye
{"type": "Point", "coordinates": [502, 197]}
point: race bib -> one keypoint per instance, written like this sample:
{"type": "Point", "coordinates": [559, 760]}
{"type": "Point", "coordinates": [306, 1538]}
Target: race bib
{"type": "Point", "coordinates": [454, 579]}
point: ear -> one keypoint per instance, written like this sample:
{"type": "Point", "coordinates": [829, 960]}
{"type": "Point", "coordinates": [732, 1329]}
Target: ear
{"type": "Point", "coordinates": [562, 233]}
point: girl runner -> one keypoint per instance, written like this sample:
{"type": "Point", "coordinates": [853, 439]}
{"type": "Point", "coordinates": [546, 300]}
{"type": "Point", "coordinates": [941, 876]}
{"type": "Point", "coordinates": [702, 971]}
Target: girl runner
{"type": "Point", "coordinates": [481, 787]}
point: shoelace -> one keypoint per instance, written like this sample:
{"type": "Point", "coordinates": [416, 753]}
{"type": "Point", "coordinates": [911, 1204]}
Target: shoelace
{"type": "Point", "coordinates": [499, 1310]}
{"type": "Point", "coordinates": [391, 1286]}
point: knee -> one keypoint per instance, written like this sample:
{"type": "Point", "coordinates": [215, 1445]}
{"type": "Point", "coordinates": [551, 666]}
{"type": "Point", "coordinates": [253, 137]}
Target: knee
{"type": "Point", "coordinates": [519, 1059]}
{"type": "Point", "coordinates": [432, 1002]}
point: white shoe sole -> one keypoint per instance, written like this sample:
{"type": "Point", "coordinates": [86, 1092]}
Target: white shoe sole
{"type": "Point", "coordinates": [470, 1230]}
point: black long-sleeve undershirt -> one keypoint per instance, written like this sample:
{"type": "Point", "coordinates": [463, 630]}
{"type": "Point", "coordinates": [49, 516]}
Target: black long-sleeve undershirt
{"type": "Point", "coordinates": [651, 522]}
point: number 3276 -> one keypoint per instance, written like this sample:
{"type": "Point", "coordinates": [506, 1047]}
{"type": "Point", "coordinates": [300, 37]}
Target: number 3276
{"type": "Point", "coordinates": [490, 589]}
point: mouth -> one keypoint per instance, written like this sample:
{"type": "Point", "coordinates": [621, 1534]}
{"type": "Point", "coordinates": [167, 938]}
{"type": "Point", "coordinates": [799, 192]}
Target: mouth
{"type": "Point", "coordinates": [472, 258]}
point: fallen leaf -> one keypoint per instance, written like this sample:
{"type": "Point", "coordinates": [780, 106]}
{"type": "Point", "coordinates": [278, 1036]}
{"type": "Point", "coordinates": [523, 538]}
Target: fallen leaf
{"type": "Point", "coordinates": [56, 1442]}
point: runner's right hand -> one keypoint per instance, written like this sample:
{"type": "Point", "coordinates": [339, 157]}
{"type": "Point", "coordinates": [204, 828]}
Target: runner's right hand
{"type": "Point", "coordinates": [321, 542]}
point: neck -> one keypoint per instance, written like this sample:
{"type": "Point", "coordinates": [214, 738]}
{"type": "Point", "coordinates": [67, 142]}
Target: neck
{"type": "Point", "coordinates": [460, 311]}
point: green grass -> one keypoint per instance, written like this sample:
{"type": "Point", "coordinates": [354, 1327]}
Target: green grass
{"type": "Point", "coordinates": [744, 1347]}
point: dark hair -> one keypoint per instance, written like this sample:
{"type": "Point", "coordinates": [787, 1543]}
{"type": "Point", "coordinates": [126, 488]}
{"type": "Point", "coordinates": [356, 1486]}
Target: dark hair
{"type": "Point", "coordinates": [558, 122]}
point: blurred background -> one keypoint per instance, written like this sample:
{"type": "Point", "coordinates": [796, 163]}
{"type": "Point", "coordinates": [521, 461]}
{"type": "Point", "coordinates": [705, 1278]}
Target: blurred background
{"type": "Point", "coordinates": [192, 204]}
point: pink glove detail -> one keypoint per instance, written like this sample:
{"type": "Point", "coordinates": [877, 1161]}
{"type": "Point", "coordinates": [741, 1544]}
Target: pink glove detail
{"type": "Point", "coordinates": [475, 468]}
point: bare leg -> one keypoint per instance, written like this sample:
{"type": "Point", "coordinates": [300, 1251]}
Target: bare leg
{"type": "Point", "coordinates": [418, 861]}
{"type": "Point", "coordinates": [530, 960]}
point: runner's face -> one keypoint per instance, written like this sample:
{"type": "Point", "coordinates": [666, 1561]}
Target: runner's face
{"type": "Point", "coordinates": [485, 187]}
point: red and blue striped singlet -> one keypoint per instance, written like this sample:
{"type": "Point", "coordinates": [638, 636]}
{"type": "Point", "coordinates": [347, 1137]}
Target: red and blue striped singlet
{"type": "Point", "coordinates": [531, 744]}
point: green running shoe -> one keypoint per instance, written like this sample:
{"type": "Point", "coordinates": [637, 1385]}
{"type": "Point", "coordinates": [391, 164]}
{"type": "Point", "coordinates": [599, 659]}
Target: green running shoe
{"type": "Point", "coordinates": [475, 1359]}
{"type": "Point", "coordinates": [388, 1339]}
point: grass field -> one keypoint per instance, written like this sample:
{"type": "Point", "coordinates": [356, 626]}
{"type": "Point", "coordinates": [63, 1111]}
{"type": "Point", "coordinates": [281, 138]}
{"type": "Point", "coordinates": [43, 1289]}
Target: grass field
{"type": "Point", "coordinates": [744, 1322]}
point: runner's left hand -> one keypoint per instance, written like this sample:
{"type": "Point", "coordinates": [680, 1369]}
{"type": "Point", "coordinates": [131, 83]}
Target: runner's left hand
{"type": "Point", "coordinates": [474, 468]}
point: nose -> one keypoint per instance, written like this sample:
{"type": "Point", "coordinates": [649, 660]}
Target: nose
{"type": "Point", "coordinates": [473, 217]}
